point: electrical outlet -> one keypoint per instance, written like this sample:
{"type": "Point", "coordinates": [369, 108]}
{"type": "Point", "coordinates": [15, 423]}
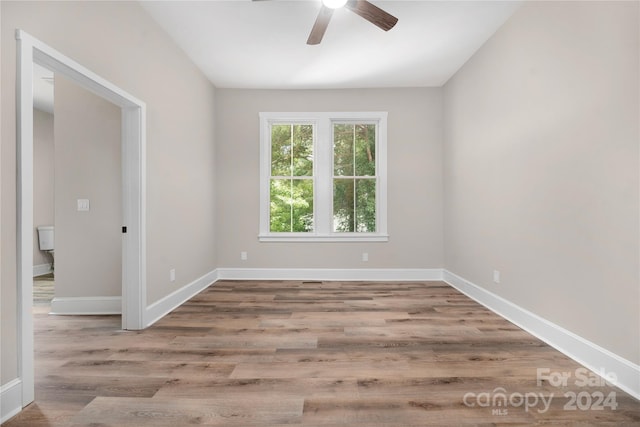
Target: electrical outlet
{"type": "Point", "coordinates": [83, 205]}
{"type": "Point", "coordinates": [172, 275]}
{"type": "Point", "coordinates": [243, 256]}
{"type": "Point", "coordinates": [496, 276]}
{"type": "Point", "coordinates": [365, 256]}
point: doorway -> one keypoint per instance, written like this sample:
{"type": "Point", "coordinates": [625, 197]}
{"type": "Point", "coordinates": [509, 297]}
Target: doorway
{"type": "Point", "coordinates": [43, 187]}
{"type": "Point", "coordinates": [133, 121]}
{"type": "Point", "coordinates": [77, 160]}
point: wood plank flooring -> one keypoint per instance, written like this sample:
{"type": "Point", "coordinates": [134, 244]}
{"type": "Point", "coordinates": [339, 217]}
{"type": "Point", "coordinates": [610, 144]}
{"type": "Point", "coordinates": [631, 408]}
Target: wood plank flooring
{"type": "Point", "coordinates": [43, 289]}
{"type": "Point", "coordinates": [276, 353]}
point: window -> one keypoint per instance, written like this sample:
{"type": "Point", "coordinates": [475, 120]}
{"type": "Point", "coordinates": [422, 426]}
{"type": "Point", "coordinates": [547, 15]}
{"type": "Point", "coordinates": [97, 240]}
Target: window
{"type": "Point", "coordinates": [354, 177]}
{"type": "Point", "coordinates": [323, 177]}
{"type": "Point", "coordinates": [291, 178]}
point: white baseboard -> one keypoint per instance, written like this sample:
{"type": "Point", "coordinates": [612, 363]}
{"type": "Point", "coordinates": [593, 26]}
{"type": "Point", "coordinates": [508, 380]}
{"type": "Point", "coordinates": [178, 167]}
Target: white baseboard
{"type": "Point", "coordinates": [10, 399]}
{"type": "Point", "coordinates": [583, 351]}
{"type": "Point", "coordinates": [160, 308]}
{"type": "Point", "coordinates": [41, 269]}
{"type": "Point", "coordinates": [355, 274]}
{"type": "Point", "coordinates": [86, 305]}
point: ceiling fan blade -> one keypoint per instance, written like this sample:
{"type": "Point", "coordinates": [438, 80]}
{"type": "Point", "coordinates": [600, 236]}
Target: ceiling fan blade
{"type": "Point", "coordinates": [322, 22]}
{"type": "Point", "coordinates": [372, 13]}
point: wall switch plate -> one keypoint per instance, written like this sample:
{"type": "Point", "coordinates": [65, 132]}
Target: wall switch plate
{"type": "Point", "coordinates": [83, 205]}
{"type": "Point", "coordinates": [365, 256]}
{"type": "Point", "coordinates": [496, 276]}
{"type": "Point", "coordinates": [243, 256]}
{"type": "Point", "coordinates": [172, 275]}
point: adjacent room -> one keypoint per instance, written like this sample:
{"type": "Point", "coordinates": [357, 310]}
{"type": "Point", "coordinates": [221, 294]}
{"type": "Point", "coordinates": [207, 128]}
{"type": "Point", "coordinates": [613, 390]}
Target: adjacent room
{"type": "Point", "coordinates": [319, 212]}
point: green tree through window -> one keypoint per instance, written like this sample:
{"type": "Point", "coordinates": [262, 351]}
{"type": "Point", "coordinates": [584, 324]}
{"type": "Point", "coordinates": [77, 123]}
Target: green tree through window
{"type": "Point", "coordinates": [291, 184]}
{"type": "Point", "coordinates": [354, 180]}
{"type": "Point", "coordinates": [323, 176]}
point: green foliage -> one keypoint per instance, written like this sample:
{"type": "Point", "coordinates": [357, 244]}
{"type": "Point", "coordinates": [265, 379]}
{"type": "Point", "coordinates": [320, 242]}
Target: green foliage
{"type": "Point", "coordinates": [354, 150]}
{"type": "Point", "coordinates": [291, 150]}
{"type": "Point", "coordinates": [291, 208]}
{"type": "Point", "coordinates": [291, 205]}
{"type": "Point", "coordinates": [354, 183]}
{"type": "Point", "coordinates": [354, 205]}
{"type": "Point", "coordinates": [365, 214]}
{"type": "Point", "coordinates": [354, 195]}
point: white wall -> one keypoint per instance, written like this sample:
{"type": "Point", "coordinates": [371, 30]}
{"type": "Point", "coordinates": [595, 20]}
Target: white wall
{"type": "Point", "coordinates": [43, 179]}
{"type": "Point", "coordinates": [414, 179]}
{"type": "Point", "coordinates": [87, 166]}
{"type": "Point", "coordinates": [120, 42]}
{"type": "Point", "coordinates": [541, 168]}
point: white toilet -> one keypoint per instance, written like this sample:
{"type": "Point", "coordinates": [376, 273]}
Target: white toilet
{"type": "Point", "coordinates": [46, 240]}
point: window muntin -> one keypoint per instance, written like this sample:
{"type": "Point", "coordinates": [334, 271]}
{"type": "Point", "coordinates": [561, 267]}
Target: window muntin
{"type": "Point", "coordinates": [323, 177]}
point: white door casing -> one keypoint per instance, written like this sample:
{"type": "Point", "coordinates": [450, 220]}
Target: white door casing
{"type": "Point", "coordinates": [30, 51]}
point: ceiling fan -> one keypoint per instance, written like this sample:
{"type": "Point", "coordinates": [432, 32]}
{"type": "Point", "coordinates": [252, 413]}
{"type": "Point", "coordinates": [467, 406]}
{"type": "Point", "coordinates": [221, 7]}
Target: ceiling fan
{"type": "Point", "coordinates": [363, 8]}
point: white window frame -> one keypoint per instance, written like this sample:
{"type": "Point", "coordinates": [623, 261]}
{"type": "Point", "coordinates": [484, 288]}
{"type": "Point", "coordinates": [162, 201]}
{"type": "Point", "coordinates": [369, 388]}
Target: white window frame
{"type": "Point", "coordinates": [323, 175]}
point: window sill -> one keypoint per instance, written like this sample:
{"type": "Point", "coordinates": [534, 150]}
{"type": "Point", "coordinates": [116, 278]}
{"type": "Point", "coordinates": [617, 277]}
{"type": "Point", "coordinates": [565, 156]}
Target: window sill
{"type": "Point", "coordinates": [304, 238]}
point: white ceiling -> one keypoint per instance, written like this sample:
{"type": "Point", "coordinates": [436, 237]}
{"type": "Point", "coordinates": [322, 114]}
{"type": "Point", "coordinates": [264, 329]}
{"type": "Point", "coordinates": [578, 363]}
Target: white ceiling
{"type": "Point", "coordinates": [262, 44]}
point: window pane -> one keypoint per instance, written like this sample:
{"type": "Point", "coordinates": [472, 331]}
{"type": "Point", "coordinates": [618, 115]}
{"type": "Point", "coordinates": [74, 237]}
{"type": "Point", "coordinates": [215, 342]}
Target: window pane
{"type": "Point", "coordinates": [365, 146]}
{"type": "Point", "coordinates": [303, 150]}
{"type": "Point", "coordinates": [280, 206]}
{"type": "Point", "coordinates": [343, 205]}
{"type": "Point", "coordinates": [302, 205]}
{"type": "Point", "coordinates": [281, 150]}
{"type": "Point", "coordinates": [366, 205]}
{"type": "Point", "coordinates": [343, 150]}
{"type": "Point", "coordinates": [354, 205]}
{"type": "Point", "coordinates": [291, 208]}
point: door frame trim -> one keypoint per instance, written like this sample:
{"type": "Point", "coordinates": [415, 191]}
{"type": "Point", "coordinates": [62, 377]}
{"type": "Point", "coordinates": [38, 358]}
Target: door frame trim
{"type": "Point", "coordinates": [30, 51]}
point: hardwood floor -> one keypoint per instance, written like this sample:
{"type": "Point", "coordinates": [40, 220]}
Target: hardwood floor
{"type": "Point", "coordinates": [314, 354]}
{"type": "Point", "coordinates": [43, 289]}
